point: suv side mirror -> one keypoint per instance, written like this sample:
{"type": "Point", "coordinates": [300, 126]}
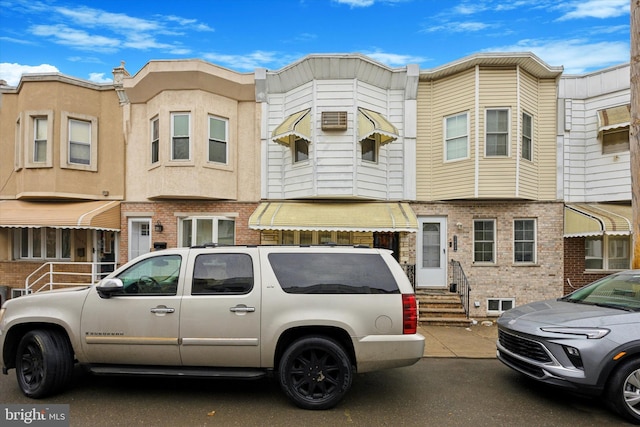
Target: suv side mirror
{"type": "Point", "coordinates": [109, 286]}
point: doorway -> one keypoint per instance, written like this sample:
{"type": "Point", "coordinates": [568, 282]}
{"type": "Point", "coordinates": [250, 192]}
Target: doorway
{"type": "Point", "coordinates": [431, 252]}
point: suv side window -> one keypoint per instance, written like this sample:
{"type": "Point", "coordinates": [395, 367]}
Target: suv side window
{"type": "Point", "coordinates": [152, 276]}
{"type": "Point", "coordinates": [333, 273]}
{"type": "Point", "coordinates": [222, 274]}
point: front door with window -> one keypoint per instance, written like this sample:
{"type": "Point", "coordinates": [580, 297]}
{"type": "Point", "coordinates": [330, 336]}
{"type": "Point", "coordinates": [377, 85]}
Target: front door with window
{"type": "Point", "coordinates": [139, 237]}
{"type": "Point", "coordinates": [431, 253]}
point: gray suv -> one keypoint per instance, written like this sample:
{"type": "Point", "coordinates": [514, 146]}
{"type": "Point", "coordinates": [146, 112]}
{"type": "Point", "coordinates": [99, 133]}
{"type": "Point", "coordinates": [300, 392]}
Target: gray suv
{"type": "Point", "coordinates": [312, 317]}
{"type": "Point", "coordinates": [587, 341]}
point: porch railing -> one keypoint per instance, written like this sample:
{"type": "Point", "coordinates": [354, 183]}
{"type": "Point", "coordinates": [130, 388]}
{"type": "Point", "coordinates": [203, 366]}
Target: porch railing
{"type": "Point", "coordinates": [410, 271]}
{"type": "Point", "coordinates": [460, 284]}
{"type": "Point", "coordinates": [54, 275]}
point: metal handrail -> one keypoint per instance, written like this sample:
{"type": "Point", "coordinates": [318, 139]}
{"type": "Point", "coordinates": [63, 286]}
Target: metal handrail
{"type": "Point", "coordinates": [460, 284]}
{"type": "Point", "coordinates": [50, 275]}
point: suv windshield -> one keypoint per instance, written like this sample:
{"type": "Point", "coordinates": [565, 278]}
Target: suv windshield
{"type": "Point", "coordinates": [620, 290]}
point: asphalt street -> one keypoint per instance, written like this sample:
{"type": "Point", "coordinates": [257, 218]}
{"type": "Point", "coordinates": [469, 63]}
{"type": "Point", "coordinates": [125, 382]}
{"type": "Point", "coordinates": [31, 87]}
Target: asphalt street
{"type": "Point", "coordinates": [434, 392]}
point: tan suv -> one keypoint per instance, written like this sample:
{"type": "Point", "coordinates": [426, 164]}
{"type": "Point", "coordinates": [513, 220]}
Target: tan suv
{"type": "Point", "coordinates": [312, 316]}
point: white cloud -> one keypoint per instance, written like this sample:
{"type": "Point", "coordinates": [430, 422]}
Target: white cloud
{"type": "Point", "coordinates": [356, 3]}
{"type": "Point", "coordinates": [577, 56]}
{"type": "Point", "coordinates": [394, 59]}
{"type": "Point", "coordinates": [596, 9]}
{"type": "Point", "coordinates": [248, 62]}
{"type": "Point", "coordinates": [11, 72]}
{"type": "Point", "coordinates": [458, 27]}
{"type": "Point", "coordinates": [100, 78]}
{"type": "Point", "coordinates": [78, 39]}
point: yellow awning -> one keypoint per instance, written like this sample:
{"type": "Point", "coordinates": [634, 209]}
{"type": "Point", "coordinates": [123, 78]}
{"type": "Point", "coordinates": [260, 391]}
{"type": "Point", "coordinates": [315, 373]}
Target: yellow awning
{"type": "Point", "coordinates": [371, 123]}
{"type": "Point", "coordinates": [616, 117]}
{"type": "Point", "coordinates": [334, 216]}
{"type": "Point", "coordinates": [100, 215]}
{"type": "Point", "coordinates": [298, 124]}
{"type": "Point", "coordinates": [596, 219]}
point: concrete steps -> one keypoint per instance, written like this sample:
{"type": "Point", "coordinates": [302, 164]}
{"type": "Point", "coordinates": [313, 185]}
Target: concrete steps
{"type": "Point", "coordinates": [441, 308]}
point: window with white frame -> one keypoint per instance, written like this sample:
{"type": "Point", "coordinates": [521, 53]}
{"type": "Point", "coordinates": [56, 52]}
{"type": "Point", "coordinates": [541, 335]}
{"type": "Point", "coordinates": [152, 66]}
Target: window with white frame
{"type": "Point", "coordinates": [180, 136]}
{"type": "Point", "coordinates": [300, 150]}
{"type": "Point", "coordinates": [155, 140]}
{"type": "Point", "coordinates": [484, 240]}
{"type": "Point", "coordinates": [80, 132]}
{"type": "Point", "coordinates": [500, 305]}
{"type": "Point", "coordinates": [607, 252]}
{"type": "Point", "coordinates": [40, 133]}
{"type": "Point", "coordinates": [524, 241]}
{"type": "Point", "coordinates": [527, 137]}
{"type": "Point", "coordinates": [42, 243]}
{"type": "Point", "coordinates": [456, 138]}
{"type": "Point", "coordinates": [497, 133]}
{"type": "Point", "coordinates": [201, 230]}
{"type": "Point", "coordinates": [369, 149]}
{"type": "Point", "coordinates": [79, 142]}
{"type": "Point", "coordinates": [218, 140]}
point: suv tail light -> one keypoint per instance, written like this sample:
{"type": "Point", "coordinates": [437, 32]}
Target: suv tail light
{"type": "Point", "coordinates": [409, 314]}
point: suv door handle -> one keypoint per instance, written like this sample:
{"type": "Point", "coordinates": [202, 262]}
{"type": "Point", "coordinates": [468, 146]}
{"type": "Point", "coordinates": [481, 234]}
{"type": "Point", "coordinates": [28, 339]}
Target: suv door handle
{"type": "Point", "coordinates": [241, 308]}
{"type": "Point", "coordinates": [162, 310]}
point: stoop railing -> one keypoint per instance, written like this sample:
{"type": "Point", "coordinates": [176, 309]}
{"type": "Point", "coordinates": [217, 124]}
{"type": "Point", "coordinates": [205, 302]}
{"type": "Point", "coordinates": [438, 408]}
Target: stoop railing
{"type": "Point", "coordinates": [460, 284]}
{"type": "Point", "coordinates": [54, 275]}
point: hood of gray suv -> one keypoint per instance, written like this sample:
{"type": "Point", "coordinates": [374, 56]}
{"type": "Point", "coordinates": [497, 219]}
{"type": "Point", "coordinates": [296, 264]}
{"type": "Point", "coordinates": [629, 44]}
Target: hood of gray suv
{"type": "Point", "coordinates": [562, 313]}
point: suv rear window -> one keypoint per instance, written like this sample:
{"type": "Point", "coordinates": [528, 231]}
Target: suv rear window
{"type": "Point", "coordinates": [333, 273]}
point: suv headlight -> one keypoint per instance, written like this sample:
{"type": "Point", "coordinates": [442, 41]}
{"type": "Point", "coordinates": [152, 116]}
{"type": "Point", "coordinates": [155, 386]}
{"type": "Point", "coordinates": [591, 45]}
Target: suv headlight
{"type": "Point", "coordinates": [589, 333]}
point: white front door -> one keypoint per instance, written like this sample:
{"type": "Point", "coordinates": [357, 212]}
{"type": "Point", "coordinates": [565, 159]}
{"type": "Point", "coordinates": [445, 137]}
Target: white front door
{"type": "Point", "coordinates": [139, 237]}
{"type": "Point", "coordinates": [431, 253]}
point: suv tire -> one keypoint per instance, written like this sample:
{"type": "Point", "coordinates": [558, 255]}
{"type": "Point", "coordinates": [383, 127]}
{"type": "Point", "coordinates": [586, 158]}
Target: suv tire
{"type": "Point", "coordinates": [315, 372]}
{"type": "Point", "coordinates": [623, 392]}
{"type": "Point", "coordinates": [44, 363]}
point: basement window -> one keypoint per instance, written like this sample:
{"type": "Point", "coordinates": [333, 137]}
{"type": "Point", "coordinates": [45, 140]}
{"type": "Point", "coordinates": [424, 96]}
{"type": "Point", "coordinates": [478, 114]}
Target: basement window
{"type": "Point", "coordinates": [500, 305]}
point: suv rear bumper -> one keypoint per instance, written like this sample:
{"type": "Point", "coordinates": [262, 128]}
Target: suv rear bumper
{"type": "Point", "coordinates": [376, 352]}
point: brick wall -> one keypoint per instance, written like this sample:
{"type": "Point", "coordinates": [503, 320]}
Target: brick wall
{"type": "Point", "coordinates": [574, 265]}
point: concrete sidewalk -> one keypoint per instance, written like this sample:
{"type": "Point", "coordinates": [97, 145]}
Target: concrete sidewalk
{"type": "Point", "coordinates": [477, 341]}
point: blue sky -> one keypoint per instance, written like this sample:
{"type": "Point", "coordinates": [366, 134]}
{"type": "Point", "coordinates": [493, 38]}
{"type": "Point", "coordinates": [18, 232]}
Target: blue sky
{"type": "Point", "coordinates": [87, 39]}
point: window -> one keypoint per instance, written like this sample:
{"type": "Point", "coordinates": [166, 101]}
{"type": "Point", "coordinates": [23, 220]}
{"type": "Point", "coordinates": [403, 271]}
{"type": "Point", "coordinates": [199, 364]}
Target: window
{"type": "Point", "coordinates": [369, 150]}
{"type": "Point", "coordinates": [180, 141]}
{"type": "Point", "coordinates": [527, 137]}
{"type": "Point", "coordinates": [484, 240]}
{"type": "Point", "coordinates": [333, 273]}
{"type": "Point", "coordinates": [42, 243]}
{"type": "Point", "coordinates": [81, 148]}
{"type": "Point", "coordinates": [615, 140]}
{"type": "Point", "coordinates": [198, 231]}
{"type": "Point", "coordinates": [524, 240]}
{"type": "Point", "coordinates": [217, 140]}
{"type": "Point", "coordinates": [607, 252]}
{"type": "Point", "coordinates": [79, 142]}
{"type": "Point", "coordinates": [290, 237]}
{"type": "Point", "coordinates": [456, 139]}
{"type": "Point", "coordinates": [499, 305]}
{"type": "Point", "coordinates": [497, 138]}
{"type": "Point", "coordinates": [40, 139]}
{"type": "Point", "coordinates": [300, 150]}
{"type": "Point", "coordinates": [155, 140]}
{"type": "Point", "coordinates": [215, 274]}
{"type": "Point", "coordinates": [152, 276]}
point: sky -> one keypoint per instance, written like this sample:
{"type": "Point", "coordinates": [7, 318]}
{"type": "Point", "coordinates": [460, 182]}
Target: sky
{"type": "Point", "coordinates": [86, 39]}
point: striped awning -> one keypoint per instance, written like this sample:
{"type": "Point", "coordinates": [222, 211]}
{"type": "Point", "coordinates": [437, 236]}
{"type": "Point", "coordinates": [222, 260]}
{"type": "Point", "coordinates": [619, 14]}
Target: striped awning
{"type": "Point", "coordinates": [297, 124]}
{"type": "Point", "coordinates": [334, 216]}
{"type": "Point", "coordinates": [615, 117]}
{"type": "Point", "coordinates": [99, 215]}
{"type": "Point", "coordinates": [596, 219]}
{"type": "Point", "coordinates": [372, 123]}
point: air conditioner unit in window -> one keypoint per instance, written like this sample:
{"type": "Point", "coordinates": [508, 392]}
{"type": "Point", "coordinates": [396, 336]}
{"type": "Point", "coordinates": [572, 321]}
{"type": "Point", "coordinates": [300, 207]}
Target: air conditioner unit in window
{"type": "Point", "coordinates": [334, 120]}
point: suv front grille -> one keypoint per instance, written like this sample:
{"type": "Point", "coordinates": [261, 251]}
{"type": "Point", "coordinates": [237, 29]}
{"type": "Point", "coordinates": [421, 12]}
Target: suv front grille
{"type": "Point", "coordinates": [523, 347]}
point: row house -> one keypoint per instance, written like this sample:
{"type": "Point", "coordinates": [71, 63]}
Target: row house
{"type": "Point", "coordinates": [593, 138]}
{"type": "Point", "coordinates": [62, 171]}
{"type": "Point", "coordinates": [461, 170]}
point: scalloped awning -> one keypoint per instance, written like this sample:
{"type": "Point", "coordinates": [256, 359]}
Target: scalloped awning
{"type": "Point", "coordinates": [334, 216]}
{"type": "Point", "coordinates": [297, 124]}
{"type": "Point", "coordinates": [372, 123]}
{"type": "Point", "coordinates": [613, 118]}
{"type": "Point", "coordinates": [98, 215]}
{"type": "Point", "coordinates": [596, 219]}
